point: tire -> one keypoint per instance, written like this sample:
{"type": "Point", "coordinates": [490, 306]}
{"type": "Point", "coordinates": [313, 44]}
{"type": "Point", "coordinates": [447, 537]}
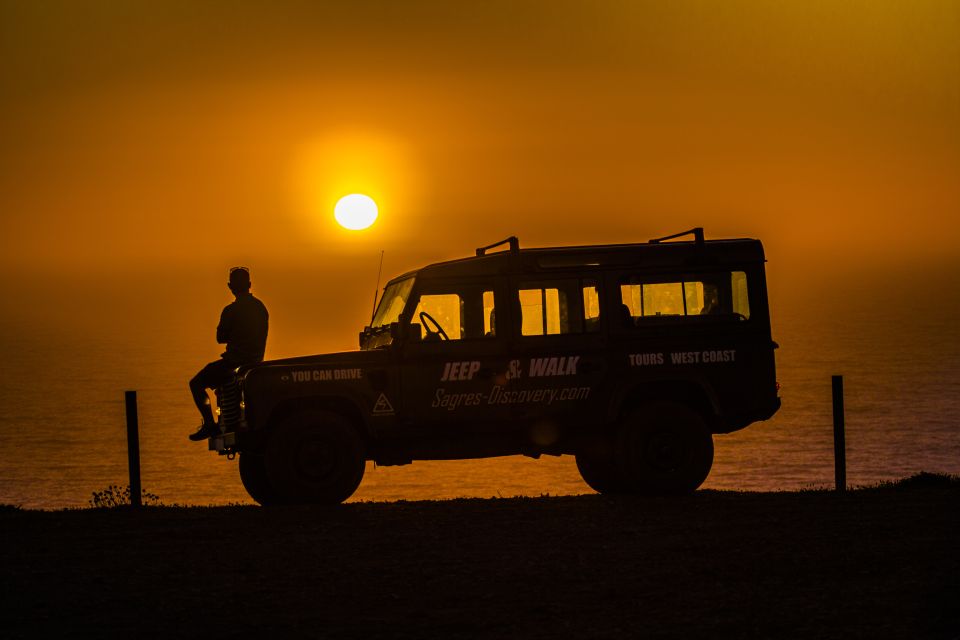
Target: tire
{"type": "Point", "coordinates": [316, 457]}
{"type": "Point", "coordinates": [253, 475]}
{"type": "Point", "coordinates": [664, 448]}
{"type": "Point", "coordinates": [597, 465]}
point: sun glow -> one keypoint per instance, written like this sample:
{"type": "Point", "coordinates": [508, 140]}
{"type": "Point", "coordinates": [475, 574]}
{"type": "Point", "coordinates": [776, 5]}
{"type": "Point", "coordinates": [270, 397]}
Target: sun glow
{"type": "Point", "coordinates": [355, 211]}
{"type": "Point", "coordinates": [376, 166]}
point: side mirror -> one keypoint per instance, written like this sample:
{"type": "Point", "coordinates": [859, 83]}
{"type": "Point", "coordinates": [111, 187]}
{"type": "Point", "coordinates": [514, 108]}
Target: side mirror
{"type": "Point", "coordinates": [414, 334]}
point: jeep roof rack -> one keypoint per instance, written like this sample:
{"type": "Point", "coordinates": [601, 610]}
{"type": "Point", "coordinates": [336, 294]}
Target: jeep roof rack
{"type": "Point", "coordinates": [512, 241]}
{"type": "Point", "coordinates": [696, 231]}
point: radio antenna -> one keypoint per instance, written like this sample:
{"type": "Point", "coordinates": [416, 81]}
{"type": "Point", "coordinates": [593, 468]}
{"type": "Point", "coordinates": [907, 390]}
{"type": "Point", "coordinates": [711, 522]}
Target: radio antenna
{"type": "Point", "coordinates": [376, 289]}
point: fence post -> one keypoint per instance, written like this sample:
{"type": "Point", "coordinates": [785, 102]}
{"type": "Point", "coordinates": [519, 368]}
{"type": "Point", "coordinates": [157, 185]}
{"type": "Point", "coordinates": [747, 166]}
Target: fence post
{"type": "Point", "coordinates": [133, 448]}
{"type": "Point", "coordinates": [839, 438]}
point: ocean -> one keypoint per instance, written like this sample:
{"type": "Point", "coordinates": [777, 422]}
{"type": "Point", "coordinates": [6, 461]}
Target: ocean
{"type": "Point", "coordinates": [62, 383]}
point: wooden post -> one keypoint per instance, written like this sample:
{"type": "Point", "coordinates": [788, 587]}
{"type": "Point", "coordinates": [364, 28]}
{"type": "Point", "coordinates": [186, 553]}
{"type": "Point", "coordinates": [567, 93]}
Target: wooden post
{"type": "Point", "coordinates": [839, 438]}
{"type": "Point", "coordinates": [133, 448]}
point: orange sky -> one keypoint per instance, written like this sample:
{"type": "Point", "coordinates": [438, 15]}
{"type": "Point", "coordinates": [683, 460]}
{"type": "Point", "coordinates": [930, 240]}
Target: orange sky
{"type": "Point", "coordinates": [191, 136]}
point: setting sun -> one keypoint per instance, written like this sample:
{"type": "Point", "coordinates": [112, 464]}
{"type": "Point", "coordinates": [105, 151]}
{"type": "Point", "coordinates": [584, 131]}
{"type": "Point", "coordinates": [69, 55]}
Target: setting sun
{"type": "Point", "coordinates": [355, 211]}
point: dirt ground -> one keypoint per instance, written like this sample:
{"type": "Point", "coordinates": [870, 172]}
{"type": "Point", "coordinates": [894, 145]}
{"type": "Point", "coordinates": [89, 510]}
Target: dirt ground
{"type": "Point", "coordinates": [878, 563]}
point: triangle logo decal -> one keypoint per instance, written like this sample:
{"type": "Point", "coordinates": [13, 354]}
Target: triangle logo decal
{"type": "Point", "coordinates": [382, 405]}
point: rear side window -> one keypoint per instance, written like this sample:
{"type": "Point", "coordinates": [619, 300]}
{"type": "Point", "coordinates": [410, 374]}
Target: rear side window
{"type": "Point", "coordinates": [559, 307]}
{"type": "Point", "coordinates": [489, 315]}
{"type": "Point", "coordinates": [741, 301]}
{"type": "Point", "coordinates": [544, 312]}
{"type": "Point", "coordinates": [714, 296]}
{"type": "Point", "coordinates": [591, 306]}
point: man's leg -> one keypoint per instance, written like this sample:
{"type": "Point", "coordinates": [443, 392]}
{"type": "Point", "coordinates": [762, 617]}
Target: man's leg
{"type": "Point", "coordinates": [210, 377]}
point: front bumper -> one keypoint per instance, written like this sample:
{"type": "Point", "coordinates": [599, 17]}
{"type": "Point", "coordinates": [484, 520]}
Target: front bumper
{"type": "Point", "coordinates": [223, 444]}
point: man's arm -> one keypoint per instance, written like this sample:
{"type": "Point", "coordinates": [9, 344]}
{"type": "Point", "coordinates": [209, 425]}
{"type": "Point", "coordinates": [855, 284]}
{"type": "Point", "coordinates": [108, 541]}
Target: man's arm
{"type": "Point", "coordinates": [223, 329]}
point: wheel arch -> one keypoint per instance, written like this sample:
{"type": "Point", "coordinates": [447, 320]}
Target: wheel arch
{"type": "Point", "coordinates": [341, 405]}
{"type": "Point", "coordinates": [687, 392]}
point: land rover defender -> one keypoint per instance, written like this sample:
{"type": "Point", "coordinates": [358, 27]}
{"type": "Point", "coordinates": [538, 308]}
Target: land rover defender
{"type": "Point", "coordinates": [628, 356]}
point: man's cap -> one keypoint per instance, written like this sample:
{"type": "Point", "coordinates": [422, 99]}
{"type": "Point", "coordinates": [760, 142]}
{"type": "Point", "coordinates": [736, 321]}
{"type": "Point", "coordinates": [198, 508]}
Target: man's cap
{"type": "Point", "coordinates": [240, 276]}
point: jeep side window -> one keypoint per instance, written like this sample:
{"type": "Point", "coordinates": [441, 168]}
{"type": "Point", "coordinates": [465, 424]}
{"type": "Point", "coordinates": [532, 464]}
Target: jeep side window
{"type": "Point", "coordinates": [489, 315]}
{"type": "Point", "coordinates": [444, 309]}
{"type": "Point", "coordinates": [392, 303]}
{"type": "Point", "coordinates": [663, 299]}
{"type": "Point", "coordinates": [543, 312]}
{"type": "Point", "coordinates": [591, 306]}
{"type": "Point", "coordinates": [659, 299]}
{"type": "Point", "coordinates": [559, 307]}
{"type": "Point", "coordinates": [710, 296]}
{"type": "Point", "coordinates": [741, 301]}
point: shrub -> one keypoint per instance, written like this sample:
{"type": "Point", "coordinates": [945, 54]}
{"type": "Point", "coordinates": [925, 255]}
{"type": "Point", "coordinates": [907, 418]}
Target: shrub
{"type": "Point", "coordinates": [117, 496]}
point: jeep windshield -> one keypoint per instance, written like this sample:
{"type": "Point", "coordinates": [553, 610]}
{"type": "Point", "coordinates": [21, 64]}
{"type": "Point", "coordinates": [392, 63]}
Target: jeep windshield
{"type": "Point", "coordinates": [392, 303]}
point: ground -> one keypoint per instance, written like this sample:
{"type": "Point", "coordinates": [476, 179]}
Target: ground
{"type": "Point", "coordinates": [877, 563]}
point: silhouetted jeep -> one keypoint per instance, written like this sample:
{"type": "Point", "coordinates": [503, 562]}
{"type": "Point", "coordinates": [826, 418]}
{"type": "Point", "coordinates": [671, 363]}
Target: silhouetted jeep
{"type": "Point", "coordinates": [627, 356]}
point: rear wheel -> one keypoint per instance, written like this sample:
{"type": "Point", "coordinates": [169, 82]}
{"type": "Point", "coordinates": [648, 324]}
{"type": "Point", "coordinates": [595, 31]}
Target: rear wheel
{"type": "Point", "coordinates": [664, 448]}
{"type": "Point", "coordinates": [597, 465]}
{"type": "Point", "coordinates": [253, 475]}
{"type": "Point", "coordinates": [315, 456]}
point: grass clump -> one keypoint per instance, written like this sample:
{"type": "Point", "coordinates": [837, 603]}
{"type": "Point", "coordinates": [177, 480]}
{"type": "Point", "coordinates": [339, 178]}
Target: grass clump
{"type": "Point", "coordinates": [116, 496]}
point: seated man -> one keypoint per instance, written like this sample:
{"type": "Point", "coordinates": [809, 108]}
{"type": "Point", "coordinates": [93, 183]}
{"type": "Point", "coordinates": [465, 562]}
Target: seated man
{"type": "Point", "coordinates": [711, 300]}
{"type": "Point", "coordinates": [243, 328]}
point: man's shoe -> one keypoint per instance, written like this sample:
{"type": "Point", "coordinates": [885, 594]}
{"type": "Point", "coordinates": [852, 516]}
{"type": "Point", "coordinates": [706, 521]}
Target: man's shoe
{"type": "Point", "coordinates": [205, 431]}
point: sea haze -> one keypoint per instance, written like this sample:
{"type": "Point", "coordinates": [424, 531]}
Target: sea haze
{"type": "Point", "coordinates": [66, 365]}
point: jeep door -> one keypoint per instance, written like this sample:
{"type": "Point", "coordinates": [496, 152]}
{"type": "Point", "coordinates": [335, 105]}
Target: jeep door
{"type": "Point", "coordinates": [452, 356]}
{"type": "Point", "coordinates": [557, 350]}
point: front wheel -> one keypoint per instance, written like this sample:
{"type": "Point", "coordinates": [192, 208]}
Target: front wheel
{"type": "Point", "coordinates": [253, 475]}
{"type": "Point", "coordinates": [664, 448]}
{"type": "Point", "coordinates": [315, 456]}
